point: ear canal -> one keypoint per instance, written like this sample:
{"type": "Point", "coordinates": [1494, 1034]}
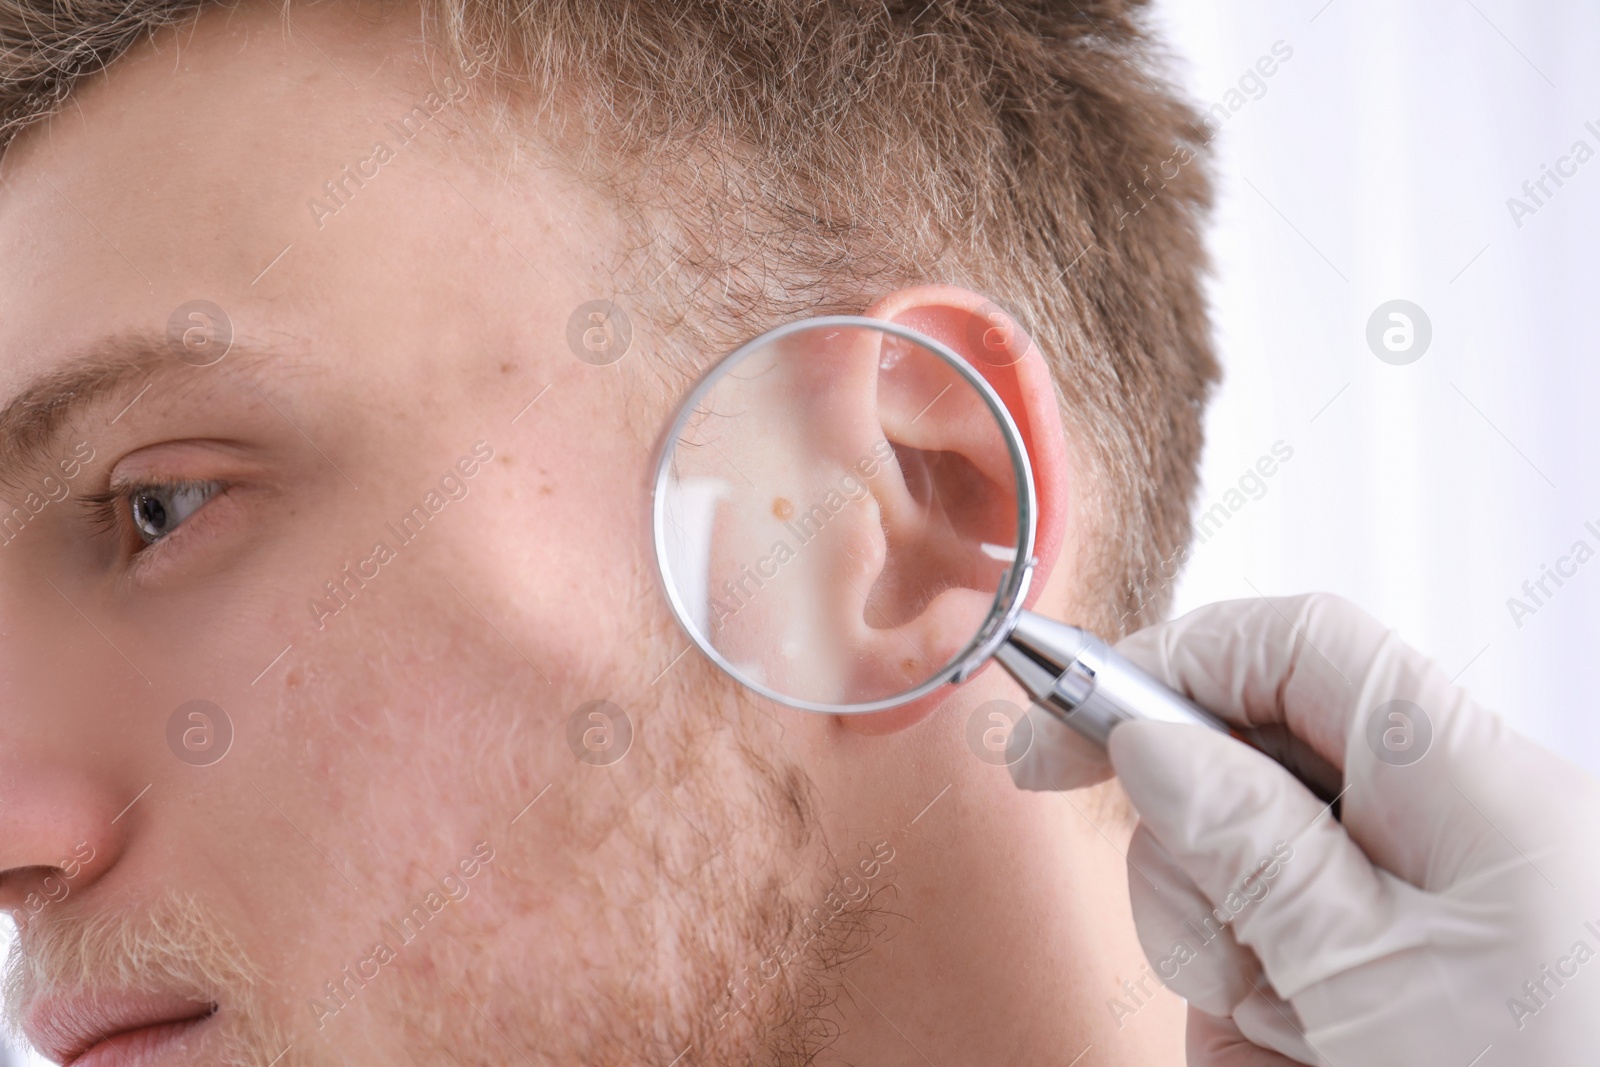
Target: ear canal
{"type": "Point", "coordinates": [953, 506]}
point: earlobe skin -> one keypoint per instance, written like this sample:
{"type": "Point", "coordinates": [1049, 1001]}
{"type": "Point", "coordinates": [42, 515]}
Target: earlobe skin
{"type": "Point", "coordinates": [1002, 351]}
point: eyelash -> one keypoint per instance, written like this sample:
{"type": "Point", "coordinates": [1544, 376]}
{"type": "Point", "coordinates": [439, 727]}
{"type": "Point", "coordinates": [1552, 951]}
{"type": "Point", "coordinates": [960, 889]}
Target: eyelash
{"type": "Point", "coordinates": [110, 509]}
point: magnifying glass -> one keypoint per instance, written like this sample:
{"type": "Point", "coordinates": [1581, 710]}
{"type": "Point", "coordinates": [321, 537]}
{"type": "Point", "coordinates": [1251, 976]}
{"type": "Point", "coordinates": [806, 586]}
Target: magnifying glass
{"type": "Point", "coordinates": [844, 518]}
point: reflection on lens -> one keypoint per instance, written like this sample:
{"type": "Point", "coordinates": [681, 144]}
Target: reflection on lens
{"type": "Point", "coordinates": [836, 511]}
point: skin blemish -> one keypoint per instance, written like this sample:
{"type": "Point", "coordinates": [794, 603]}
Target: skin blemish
{"type": "Point", "coordinates": [782, 508]}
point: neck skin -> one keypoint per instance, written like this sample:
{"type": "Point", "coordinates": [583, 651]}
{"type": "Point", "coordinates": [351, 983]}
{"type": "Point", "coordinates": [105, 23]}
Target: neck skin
{"type": "Point", "coordinates": [1009, 934]}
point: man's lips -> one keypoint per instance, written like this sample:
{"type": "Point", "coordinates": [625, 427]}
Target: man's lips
{"type": "Point", "coordinates": [65, 1028]}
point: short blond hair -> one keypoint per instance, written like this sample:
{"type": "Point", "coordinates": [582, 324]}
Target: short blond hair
{"type": "Point", "coordinates": [791, 157]}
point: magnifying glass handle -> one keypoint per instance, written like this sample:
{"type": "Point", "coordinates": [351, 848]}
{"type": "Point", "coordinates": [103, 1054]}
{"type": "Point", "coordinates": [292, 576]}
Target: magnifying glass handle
{"type": "Point", "coordinates": [1082, 681]}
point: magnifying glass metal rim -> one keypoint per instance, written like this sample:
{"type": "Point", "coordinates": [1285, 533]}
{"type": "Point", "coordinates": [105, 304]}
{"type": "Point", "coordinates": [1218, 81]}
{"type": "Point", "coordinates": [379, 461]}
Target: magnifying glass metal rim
{"type": "Point", "coordinates": [1013, 586]}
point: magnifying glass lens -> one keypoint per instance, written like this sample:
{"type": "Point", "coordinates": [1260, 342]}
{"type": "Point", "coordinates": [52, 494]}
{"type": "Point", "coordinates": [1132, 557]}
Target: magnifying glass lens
{"type": "Point", "coordinates": [837, 511]}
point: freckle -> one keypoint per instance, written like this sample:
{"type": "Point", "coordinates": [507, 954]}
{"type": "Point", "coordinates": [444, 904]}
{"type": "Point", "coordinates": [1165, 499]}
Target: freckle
{"type": "Point", "coordinates": [545, 490]}
{"type": "Point", "coordinates": [909, 666]}
{"type": "Point", "coordinates": [507, 368]}
{"type": "Point", "coordinates": [782, 509]}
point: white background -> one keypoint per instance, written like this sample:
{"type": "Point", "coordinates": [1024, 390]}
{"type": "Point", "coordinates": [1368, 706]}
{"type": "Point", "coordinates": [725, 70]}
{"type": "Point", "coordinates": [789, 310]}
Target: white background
{"type": "Point", "coordinates": [1376, 166]}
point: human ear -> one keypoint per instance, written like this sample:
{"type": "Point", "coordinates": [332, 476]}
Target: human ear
{"type": "Point", "coordinates": [842, 505]}
{"type": "Point", "coordinates": [999, 349]}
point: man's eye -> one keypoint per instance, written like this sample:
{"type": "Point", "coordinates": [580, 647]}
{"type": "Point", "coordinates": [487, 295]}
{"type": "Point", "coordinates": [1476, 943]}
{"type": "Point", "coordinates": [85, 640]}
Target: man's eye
{"type": "Point", "coordinates": [157, 510]}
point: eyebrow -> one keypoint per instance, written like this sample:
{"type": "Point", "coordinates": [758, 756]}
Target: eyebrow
{"type": "Point", "coordinates": [32, 422]}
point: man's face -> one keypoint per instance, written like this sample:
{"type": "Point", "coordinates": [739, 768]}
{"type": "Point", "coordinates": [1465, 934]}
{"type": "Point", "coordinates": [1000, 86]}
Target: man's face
{"type": "Point", "coordinates": [391, 539]}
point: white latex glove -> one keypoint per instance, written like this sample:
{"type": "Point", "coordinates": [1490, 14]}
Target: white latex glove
{"type": "Point", "coordinates": [1452, 918]}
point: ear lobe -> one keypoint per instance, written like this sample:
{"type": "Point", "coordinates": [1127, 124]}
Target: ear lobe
{"type": "Point", "coordinates": [955, 442]}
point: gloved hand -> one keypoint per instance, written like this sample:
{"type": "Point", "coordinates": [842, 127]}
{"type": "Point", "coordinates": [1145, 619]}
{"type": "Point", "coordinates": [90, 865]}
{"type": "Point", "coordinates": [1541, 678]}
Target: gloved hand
{"type": "Point", "coordinates": [1452, 918]}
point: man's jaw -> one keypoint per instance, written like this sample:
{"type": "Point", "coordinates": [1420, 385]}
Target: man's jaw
{"type": "Point", "coordinates": [113, 1026]}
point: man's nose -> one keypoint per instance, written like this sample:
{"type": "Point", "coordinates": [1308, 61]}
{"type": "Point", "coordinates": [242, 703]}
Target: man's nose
{"type": "Point", "coordinates": [59, 832]}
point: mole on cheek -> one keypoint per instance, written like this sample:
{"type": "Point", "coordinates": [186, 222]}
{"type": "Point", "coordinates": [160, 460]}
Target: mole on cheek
{"type": "Point", "coordinates": [782, 509]}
